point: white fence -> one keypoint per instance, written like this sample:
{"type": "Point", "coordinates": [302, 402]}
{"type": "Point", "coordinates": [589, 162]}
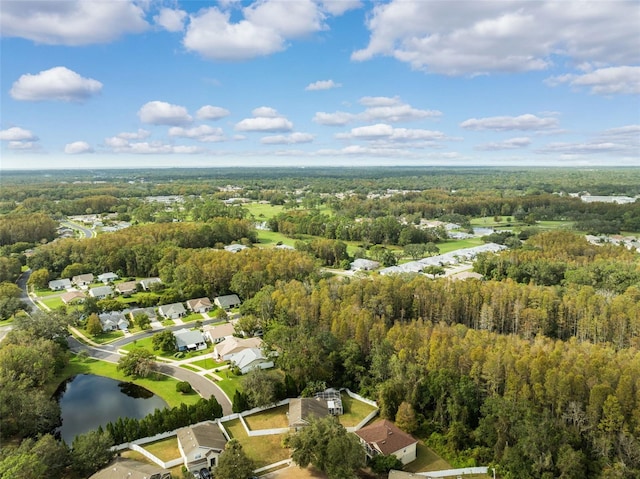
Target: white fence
{"type": "Point", "coordinates": [273, 466]}
{"type": "Point", "coordinates": [454, 472]}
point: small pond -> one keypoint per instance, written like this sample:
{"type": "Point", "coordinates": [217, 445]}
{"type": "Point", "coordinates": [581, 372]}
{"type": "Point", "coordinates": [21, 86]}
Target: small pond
{"type": "Point", "coordinates": [88, 401]}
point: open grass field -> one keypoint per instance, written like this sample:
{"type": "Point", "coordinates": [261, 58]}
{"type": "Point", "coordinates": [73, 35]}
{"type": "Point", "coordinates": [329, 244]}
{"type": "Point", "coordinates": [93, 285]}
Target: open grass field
{"type": "Point", "coordinates": [262, 212]}
{"type": "Point", "coordinates": [165, 449]}
{"type": "Point", "coordinates": [453, 245]}
{"type": "Point", "coordinates": [263, 450]}
{"type": "Point", "coordinates": [354, 411]}
{"type": "Point", "coordinates": [163, 386]}
{"type": "Point", "coordinates": [53, 302]}
{"type": "Point", "coordinates": [271, 239]}
{"type": "Point", "coordinates": [270, 419]}
{"type": "Point", "coordinates": [105, 337]}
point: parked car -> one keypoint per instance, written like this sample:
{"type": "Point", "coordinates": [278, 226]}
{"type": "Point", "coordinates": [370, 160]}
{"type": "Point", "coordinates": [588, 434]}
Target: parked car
{"type": "Point", "coordinates": [204, 472]}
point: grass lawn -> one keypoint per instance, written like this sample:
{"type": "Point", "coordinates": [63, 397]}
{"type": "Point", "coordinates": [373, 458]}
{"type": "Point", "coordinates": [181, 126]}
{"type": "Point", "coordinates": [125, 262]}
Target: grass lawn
{"type": "Point", "coordinates": [426, 460]}
{"type": "Point", "coordinates": [192, 317]}
{"type": "Point", "coordinates": [41, 293]}
{"type": "Point", "coordinates": [189, 367]}
{"type": "Point", "coordinates": [165, 449]}
{"type": "Point", "coordinates": [53, 303]}
{"type": "Point", "coordinates": [162, 385]}
{"type": "Point", "coordinates": [263, 450]}
{"type": "Point", "coordinates": [452, 245]}
{"type": "Point", "coordinates": [129, 454]}
{"type": "Point", "coordinates": [272, 238]}
{"type": "Point", "coordinates": [208, 363]}
{"type": "Point", "coordinates": [230, 383]}
{"type": "Point", "coordinates": [147, 343]}
{"type": "Point", "coordinates": [262, 211]}
{"type": "Point", "coordinates": [270, 419]}
{"type": "Point", "coordinates": [105, 337]}
{"type": "Point", "coordinates": [167, 322]}
{"type": "Point", "coordinates": [354, 411]}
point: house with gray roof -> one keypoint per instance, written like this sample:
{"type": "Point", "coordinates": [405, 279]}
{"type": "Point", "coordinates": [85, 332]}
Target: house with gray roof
{"type": "Point", "coordinates": [302, 410]}
{"type": "Point", "coordinates": [172, 311]}
{"type": "Point", "coordinates": [250, 358]}
{"type": "Point", "coordinates": [200, 446]}
{"type": "Point", "coordinates": [362, 264]}
{"type": "Point", "coordinates": [150, 312]}
{"type": "Point", "coordinates": [148, 282]}
{"type": "Point", "coordinates": [188, 340]}
{"type": "Point", "coordinates": [101, 292]}
{"type": "Point", "coordinates": [113, 321]}
{"type": "Point", "coordinates": [121, 468]}
{"type": "Point", "coordinates": [127, 288]}
{"type": "Point", "coordinates": [107, 277]}
{"type": "Point", "coordinates": [60, 284]}
{"type": "Point", "coordinates": [228, 301]}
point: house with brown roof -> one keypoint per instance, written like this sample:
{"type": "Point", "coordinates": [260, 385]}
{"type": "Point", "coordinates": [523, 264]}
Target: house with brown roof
{"type": "Point", "coordinates": [218, 333]}
{"type": "Point", "coordinates": [225, 349]}
{"type": "Point", "coordinates": [73, 297]}
{"type": "Point", "coordinates": [201, 445]}
{"type": "Point", "coordinates": [199, 305]}
{"type": "Point", "coordinates": [82, 280]}
{"type": "Point", "coordinates": [127, 288]}
{"type": "Point", "coordinates": [302, 410]}
{"type": "Point", "coordinates": [122, 468]}
{"type": "Point", "coordinates": [384, 437]}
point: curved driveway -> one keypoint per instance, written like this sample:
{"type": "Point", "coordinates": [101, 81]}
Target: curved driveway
{"type": "Point", "coordinates": [202, 385]}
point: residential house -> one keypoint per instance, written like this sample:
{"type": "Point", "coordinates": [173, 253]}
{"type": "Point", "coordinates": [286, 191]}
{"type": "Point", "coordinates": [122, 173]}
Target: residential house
{"type": "Point", "coordinates": [199, 305]}
{"type": "Point", "coordinates": [150, 312]}
{"type": "Point", "coordinates": [463, 275]}
{"type": "Point", "coordinates": [233, 345]}
{"type": "Point", "coordinates": [127, 288]}
{"type": "Point", "coordinates": [107, 277]}
{"type": "Point", "coordinates": [384, 437]}
{"type": "Point", "coordinates": [362, 264]}
{"type": "Point", "coordinates": [201, 445]}
{"type": "Point", "coordinates": [228, 301]}
{"type": "Point", "coordinates": [187, 340]}
{"type": "Point", "coordinates": [235, 248]}
{"type": "Point", "coordinates": [250, 358]}
{"type": "Point", "coordinates": [302, 410]}
{"type": "Point", "coordinates": [172, 311]}
{"type": "Point", "coordinates": [148, 282]}
{"type": "Point", "coordinates": [121, 468]}
{"type": "Point", "coordinates": [218, 333]}
{"type": "Point", "coordinates": [113, 321]}
{"type": "Point", "coordinates": [73, 297]}
{"type": "Point", "coordinates": [60, 284]}
{"type": "Point", "coordinates": [82, 280]}
{"type": "Point", "coordinates": [101, 292]}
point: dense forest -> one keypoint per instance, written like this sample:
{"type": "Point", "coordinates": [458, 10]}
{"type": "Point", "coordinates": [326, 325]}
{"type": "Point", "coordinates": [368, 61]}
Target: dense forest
{"type": "Point", "coordinates": [534, 369]}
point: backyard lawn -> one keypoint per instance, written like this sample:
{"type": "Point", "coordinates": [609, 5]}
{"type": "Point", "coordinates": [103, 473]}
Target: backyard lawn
{"type": "Point", "coordinates": [165, 449]}
{"type": "Point", "coordinates": [354, 411]}
{"type": "Point", "coordinates": [273, 418]}
{"type": "Point", "coordinates": [427, 460]}
{"type": "Point", "coordinates": [263, 450]}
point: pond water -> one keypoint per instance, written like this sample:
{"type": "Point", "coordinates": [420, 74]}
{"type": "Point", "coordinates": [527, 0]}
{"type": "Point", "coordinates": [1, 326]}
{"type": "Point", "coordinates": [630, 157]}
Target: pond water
{"type": "Point", "coordinates": [88, 401]}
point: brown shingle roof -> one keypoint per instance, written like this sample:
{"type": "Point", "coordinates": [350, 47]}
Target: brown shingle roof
{"type": "Point", "coordinates": [386, 437]}
{"type": "Point", "coordinates": [303, 409]}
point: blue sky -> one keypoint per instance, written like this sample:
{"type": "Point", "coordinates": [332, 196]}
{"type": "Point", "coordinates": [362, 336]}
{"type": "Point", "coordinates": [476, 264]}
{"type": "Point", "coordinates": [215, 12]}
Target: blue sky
{"type": "Point", "coordinates": [159, 83]}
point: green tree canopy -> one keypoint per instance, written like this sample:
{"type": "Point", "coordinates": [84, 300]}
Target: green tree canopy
{"type": "Point", "coordinates": [233, 462]}
{"type": "Point", "coordinates": [138, 363]}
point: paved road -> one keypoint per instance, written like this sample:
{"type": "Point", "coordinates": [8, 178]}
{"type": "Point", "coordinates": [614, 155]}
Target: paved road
{"type": "Point", "coordinates": [85, 231]}
{"type": "Point", "coordinates": [202, 385]}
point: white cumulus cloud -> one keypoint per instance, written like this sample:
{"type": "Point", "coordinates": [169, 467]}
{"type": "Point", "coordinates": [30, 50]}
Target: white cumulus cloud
{"type": "Point", "coordinates": [77, 147]}
{"type": "Point", "coordinates": [201, 133]}
{"type": "Point", "coordinates": [171, 20]}
{"type": "Point", "coordinates": [604, 81]}
{"type": "Point", "coordinates": [338, 118]}
{"type": "Point", "coordinates": [16, 133]}
{"type": "Point", "coordinates": [526, 122]}
{"type": "Point", "coordinates": [209, 112]}
{"type": "Point", "coordinates": [264, 29]}
{"type": "Point", "coordinates": [23, 145]}
{"type": "Point", "coordinates": [58, 83]}
{"type": "Point", "coordinates": [134, 135]}
{"type": "Point", "coordinates": [322, 85]}
{"type": "Point", "coordinates": [71, 22]}
{"type": "Point", "coordinates": [163, 113]}
{"type": "Point", "coordinates": [291, 139]}
{"type": "Point", "coordinates": [379, 108]}
{"type": "Point", "coordinates": [501, 36]}
{"type": "Point", "coordinates": [265, 119]}
{"type": "Point", "coordinates": [338, 7]}
{"type": "Point", "coordinates": [382, 131]}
